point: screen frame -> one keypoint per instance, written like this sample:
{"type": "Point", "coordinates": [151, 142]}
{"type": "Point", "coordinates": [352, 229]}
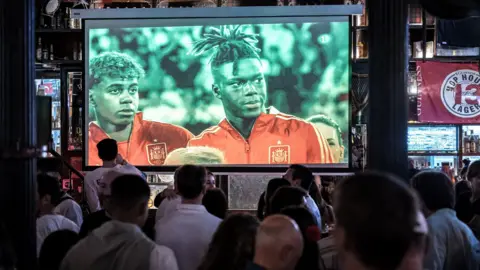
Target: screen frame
{"type": "Point", "coordinates": [424, 152]}
{"type": "Point", "coordinates": [227, 12]}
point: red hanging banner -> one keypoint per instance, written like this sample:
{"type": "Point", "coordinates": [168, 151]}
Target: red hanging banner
{"type": "Point", "coordinates": [448, 93]}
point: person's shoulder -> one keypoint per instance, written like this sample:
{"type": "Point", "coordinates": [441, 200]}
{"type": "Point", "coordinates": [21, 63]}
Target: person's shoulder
{"type": "Point", "coordinates": [163, 258]}
{"type": "Point", "coordinates": [291, 121]}
{"type": "Point", "coordinates": [95, 174]}
{"type": "Point", "coordinates": [210, 132]}
{"type": "Point", "coordinates": [155, 126]}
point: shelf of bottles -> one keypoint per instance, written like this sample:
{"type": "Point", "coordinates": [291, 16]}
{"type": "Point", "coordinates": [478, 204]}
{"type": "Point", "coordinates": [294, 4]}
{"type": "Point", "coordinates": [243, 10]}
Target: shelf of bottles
{"type": "Point", "coordinates": [51, 87]}
{"type": "Point", "coordinates": [75, 119]}
{"type": "Point", "coordinates": [58, 35]}
{"type": "Point", "coordinates": [471, 142]}
{"type": "Point", "coordinates": [421, 34]}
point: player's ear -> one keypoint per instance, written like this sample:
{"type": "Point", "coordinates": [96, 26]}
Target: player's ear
{"type": "Point", "coordinates": [90, 99]}
{"type": "Point", "coordinates": [216, 91]}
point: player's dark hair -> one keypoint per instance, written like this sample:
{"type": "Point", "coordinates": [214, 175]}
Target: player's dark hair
{"type": "Point", "coordinates": [272, 186]}
{"type": "Point", "coordinates": [284, 197]}
{"type": "Point", "coordinates": [114, 65]}
{"type": "Point", "coordinates": [191, 181]}
{"type": "Point", "coordinates": [55, 247]}
{"type": "Point", "coordinates": [435, 190]}
{"type": "Point", "coordinates": [323, 119]}
{"type": "Point", "coordinates": [215, 202]}
{"type": "Point", "coordinates": [473, 170]}
{"type": "Point", "coordinates": [229, 44]}
{"type": "Point", "coordinates": [304, 174]}
{"type": "Point", "coordinates": [107, 149]}
{"type": "Point", "coordinates": [128, 191]}
{"type": "Point", "coordinates": [48, 185]}
{"type": "Point", "coordinates": [377, 211]}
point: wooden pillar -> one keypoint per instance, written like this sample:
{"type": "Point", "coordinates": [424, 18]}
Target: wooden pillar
{"type": "Point", "coordinates": [17, 122]}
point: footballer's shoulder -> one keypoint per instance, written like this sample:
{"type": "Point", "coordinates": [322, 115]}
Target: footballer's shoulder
{"type": "Point", "coordinates": [155, 126]}
{"type": "Point", "coordinates": [208, 133]}
{"type": "Point", "coordinates": [291, 120]}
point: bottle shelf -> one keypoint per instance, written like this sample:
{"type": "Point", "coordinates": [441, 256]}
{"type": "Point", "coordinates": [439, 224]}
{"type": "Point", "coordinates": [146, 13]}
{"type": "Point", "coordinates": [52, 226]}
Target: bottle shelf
{"type": "Point", "coordinates": [61, 62]}
{"type": "Point", "coordinates": [55, 31]}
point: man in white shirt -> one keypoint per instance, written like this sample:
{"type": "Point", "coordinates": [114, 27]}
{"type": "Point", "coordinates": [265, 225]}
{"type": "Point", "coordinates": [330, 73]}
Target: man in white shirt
{"type": "Point", "coordinates": [120, 244]}
{"type": "Point", "coordinates": [108, 153]}
{"type": "Point", "coordinates": [48, 195]}
{"type": "Point", "coordinates": [188, 229]}
{"type": "Point", "coordinates": [300, 176]}
{"type": "Point", "coordinates": [70, 209]}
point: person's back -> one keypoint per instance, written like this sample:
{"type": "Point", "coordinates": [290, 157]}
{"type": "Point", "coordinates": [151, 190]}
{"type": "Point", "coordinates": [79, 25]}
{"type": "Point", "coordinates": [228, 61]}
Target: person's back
{"type": "Point", "coordinates": [189, 229]}
{"type": "Point", "coordinates": [70, 209]}
{"type": "Point", "coordinates": [452, 243]}
{"type": "Point", "coordinates": [120, 244]}
{"type": "Point", "coordinates": [48, 190]}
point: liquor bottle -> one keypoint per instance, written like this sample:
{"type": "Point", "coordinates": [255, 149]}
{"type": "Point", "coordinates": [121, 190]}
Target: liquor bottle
{"type": "Point", "coordinates": [80, 51]}
{"type": "Point", "coordinates": [52, 57]}
{"type": "Point", "coordinates": [466, 143]}
{"type": "Point", "coordinates": [45, 55]}
{"type": "Point", "coordinates": [59, 19]}
{"type": "Point", "coordinates": [38, 53]}
{"type": "Point", "coordinates": [75, 51]}
{"type": "Point", "coordinates": [473, 143]}
{"type": "Point", "coordinates": [53, 22]}
{"type": "Point", "coordinates": [66, 18]}
{"type": "Point", "coordinates": [41, 20]}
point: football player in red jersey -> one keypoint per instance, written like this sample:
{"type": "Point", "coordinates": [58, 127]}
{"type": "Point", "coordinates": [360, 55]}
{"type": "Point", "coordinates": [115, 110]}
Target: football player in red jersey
{"type": "Point", "coordinates": [113, 94]}
{"type": "Point", "coordinates": [252, 133]}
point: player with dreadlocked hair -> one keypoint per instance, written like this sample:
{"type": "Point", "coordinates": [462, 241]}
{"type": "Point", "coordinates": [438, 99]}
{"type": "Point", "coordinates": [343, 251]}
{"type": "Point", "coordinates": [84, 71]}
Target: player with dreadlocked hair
{"type": "Point", "coordinates": [251, 132]}
{"type": "Point", "coordinates": [113, 80]}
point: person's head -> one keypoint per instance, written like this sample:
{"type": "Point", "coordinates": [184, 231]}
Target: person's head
{"type": "Point", "coordinates": [278, 244]}
{"type": "Point", "coordinates": [332, 133]}
{"type": "Point", "coordinates": [55, 247]}
{"type": "Point", "coordinates": [284, 197]}
{"type": "Point", "coordinates": [129, 199]}
{"type": "Point", "coordinates": [158, 200]}
{"type": "Point", "coordinates": [299, 176]}
{"type": "Point", "coordinates": [199, 155]}
{"type": "Point", "coordinates": [215, 202]}
{"type": "Point", "coordinates": [210, 180]}
{"type": "Point", "coordinates": [272, 186]}
{"type": "Point", "coordinates": [379, 222]}
{"type": "Point", "coordinates": [237, 70]}
{"type": "Point", "coordinates": [473, 175]}
{"type": "Point", "coordinates": [107, 150]}
{"type": "Point", "coordinates": [48, 193]}
{"type": "Point", "coordinates": [233, 244]}
{"type": "Point", "coordinates": [105, 182]}
{"type": "Point", "coordinates": [191, 182]}
{"type": "Point", "coordinates": [463, 188]}
{"type": "Point", "coordinates": [311, 235]}
{"type": "Point", "coordinates": [113, 87]}
{"type": "Point", "coordinates": [435, 190]}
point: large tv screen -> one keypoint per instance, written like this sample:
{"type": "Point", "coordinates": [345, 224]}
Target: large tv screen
{"type": "Point", "coordinates": [432, 139]}
{"type": "Point", "coordinates": [263, 91]}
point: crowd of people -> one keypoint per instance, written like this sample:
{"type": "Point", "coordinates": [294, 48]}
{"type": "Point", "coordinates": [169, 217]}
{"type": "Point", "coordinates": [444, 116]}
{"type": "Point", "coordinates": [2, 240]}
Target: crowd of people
{"type": "Point", "coordinates": [377, 221]}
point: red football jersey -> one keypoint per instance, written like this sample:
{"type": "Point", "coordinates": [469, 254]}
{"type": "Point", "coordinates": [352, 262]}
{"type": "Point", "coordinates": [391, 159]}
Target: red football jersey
{"type": "Point", "coordinates": [149, 143]}
{"type": "Point", "coordinates": [275, 139]}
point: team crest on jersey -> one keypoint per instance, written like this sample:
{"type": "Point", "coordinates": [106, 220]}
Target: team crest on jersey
{"type": "Point", "coordinates": [279, 154]}
{"type": "Point", "coordinates": [156, 153]}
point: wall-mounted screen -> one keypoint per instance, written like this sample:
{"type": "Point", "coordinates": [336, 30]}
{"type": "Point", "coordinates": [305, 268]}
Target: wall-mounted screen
{"type": "Point", "coordinates": [434, 139]}
{"type": "Point", "coordinates": [257, 91]}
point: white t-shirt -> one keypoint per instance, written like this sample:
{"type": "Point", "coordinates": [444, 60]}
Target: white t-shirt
{"type": "Point", "coordinates": [48, 224]}
{"type": "Point", "coordinates": [166, 207]}
{"type": "Point", "coordinates": [187, 231]}
{"type": "Point", "coordinates": [71, 210]}
{"type": "Point", "coordinates": [92, 180]}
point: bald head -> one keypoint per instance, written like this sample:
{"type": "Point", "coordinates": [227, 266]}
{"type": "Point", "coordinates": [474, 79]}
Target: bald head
{"type": "Point", "coordinates": [279, 243]}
